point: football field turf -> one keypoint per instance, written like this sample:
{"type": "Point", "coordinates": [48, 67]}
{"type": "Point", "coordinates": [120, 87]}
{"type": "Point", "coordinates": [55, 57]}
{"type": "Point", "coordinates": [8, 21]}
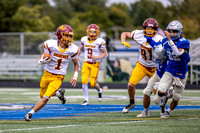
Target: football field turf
{"type": "Point", "coordinates": [97, 117]}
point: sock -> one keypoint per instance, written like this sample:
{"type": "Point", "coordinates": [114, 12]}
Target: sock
{"type": "Point", "coordinates": [32, 112]}
{"type": "Point", "coordinates": [132, 101]}
{"type": "Point", "coordinates": [58, 94]}
{"type": "Point", "coordinates": [169, 110]}
{"type": "Point", "coordinates": [146, 110]}
{"type": "Point", "coordinates": [100, 90]}
{"type": "Point", "coordinates": [85, 91]}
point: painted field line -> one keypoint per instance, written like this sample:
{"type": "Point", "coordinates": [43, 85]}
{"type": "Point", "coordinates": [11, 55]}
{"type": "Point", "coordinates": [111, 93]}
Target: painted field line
{"type": "Point", "coordinates": [136, 120]}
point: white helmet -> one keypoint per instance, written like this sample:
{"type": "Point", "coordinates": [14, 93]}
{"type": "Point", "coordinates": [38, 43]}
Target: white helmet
{"type": "Point", "coordinates": [177, 26]}
{"type": "Point", "coordinates": [159, 52]}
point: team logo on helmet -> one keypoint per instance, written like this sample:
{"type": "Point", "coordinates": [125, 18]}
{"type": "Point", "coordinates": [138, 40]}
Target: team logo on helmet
{"type": "Point", "coordinates": [65, 34]}
{"type": "Point", "coordinates": [152, 25]}
{"type": "Point", "coordinates": [92, 31]}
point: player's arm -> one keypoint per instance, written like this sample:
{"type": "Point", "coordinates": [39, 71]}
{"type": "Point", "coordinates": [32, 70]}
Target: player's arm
{"type": "Point", "coordinates": [176, 51]}
{"type": "Point", "coordinates": [73, 80]}
{"type": "Point", "coordinates": [125, 35]}
{"type": "Point", "coordinates": [104, 54]}
{"type": "Point", "coordinates": [80, 51]}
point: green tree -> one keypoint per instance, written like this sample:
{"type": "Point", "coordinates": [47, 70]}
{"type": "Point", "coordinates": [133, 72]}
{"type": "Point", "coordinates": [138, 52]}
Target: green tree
{"type": "Point", "coordinates": [144, 9]}
{"type": "Point", "coordinates": [29, 19]}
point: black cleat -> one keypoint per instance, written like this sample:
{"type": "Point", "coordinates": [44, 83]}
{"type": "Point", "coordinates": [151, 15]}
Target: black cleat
{"type": "Point", "coordinates": [62, 97]}
{"type": "Point", "coordinates": [28, 117]}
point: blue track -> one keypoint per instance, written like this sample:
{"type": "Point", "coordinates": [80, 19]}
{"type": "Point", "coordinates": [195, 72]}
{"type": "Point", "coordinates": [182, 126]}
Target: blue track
{"type": "Point", "coordinates": [59, 110]}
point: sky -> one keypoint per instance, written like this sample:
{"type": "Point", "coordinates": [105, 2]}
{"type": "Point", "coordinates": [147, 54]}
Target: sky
{"type": "Point", "coordinates": [164, 2]}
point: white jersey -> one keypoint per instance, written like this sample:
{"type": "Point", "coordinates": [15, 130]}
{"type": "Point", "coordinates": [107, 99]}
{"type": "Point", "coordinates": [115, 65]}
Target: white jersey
{"type": "Point", "coordinates": [92, 48]}
{"type": "Point", "coordinates": [146, 51]}
{"type": "Point", "coordinates": [59, 57]}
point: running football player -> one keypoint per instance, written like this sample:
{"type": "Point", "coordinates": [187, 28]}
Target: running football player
{"type": "Point", "coordinates": [61, 51]}
{"type": "Point", "coordinates": [176, 73]}
{"type": "Point", "coordinates": [145, 66]}
{"type": "Point", "coordinates": [95, 50]}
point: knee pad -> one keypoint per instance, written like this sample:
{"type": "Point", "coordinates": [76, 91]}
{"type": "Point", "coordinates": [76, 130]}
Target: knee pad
{"type": "Point", "coordinates": [157, 99]}
{"type": "Point", "coordinates": [160, 94]}
{"type": "Point", "coordinates": [147, 92]}
{"type": "Point", "coordinates": [176, 96]}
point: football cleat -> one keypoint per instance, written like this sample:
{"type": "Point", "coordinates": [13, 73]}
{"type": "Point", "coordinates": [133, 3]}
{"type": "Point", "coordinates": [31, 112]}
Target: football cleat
{"type": "Point", "coordinates": [143, 114]}
{"type": "Point", "coordinates": [62, 97]}
{"type": "Point", "coordinates": [100, 97]}
{"type": "Point", "coordinates": [165, 115]}
{"type": "Point", "coordinates": [128, 107]}
{"type": "Point", "coordinates": [85, 103]}
{"type": "Point", "coordinates": [28, 117]}
{"type": "Point", "coordinates": [162, 105]}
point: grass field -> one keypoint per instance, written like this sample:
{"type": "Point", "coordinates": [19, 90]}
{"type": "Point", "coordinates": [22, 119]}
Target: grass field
{"type": "Point", "coordinates": [182, 121]}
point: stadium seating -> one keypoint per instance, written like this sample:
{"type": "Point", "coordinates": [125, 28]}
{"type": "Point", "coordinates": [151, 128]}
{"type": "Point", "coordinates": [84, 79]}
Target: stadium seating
{"type": "Point", "coordinates": [20, 68]}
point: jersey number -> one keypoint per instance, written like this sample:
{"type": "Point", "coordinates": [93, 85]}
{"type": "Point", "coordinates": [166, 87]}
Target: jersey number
{"type": "Point", "coordinates": [144, 54]}
{"type": "Point", "coordinates": [89, 53]}
{"type": "Point", "coordinates": [59, 61]}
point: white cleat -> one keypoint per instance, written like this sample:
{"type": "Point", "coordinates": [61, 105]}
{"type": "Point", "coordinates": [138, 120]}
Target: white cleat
{"type": "Point", "coordinates": [128, 107]}
{"type": "Point", "coordinates": [143, 114]}
{"type": "Point", "coordinates": [165, 115]}
{"type": "Point", "coordinates": [85, 103]}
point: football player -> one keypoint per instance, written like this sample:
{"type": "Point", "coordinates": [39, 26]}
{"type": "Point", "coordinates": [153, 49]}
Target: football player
{"type": "Point", "coordinates": [145, 66]}
{"type": "Point", "coordinates": [61, 51]}
{"type": "Point", "coordinates": [95, 50]}
{"type": "Point", "coordinates": [177, 48]}
{"type": "Point", "coordinates": [152, 85]}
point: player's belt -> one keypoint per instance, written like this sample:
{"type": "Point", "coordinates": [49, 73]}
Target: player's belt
{"type": "Point", "coordinates": [91, 62]}
{"type": "Point", "coordinates": [150, 68]}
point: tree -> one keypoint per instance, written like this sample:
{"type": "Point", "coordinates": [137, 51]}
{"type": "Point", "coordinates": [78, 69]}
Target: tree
{"type": "Point", "coordinates": [29, 19]}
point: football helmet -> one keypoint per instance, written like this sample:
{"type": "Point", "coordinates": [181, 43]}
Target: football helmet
{"type": "Point", "coordinates": [159, 53]}
{"type": "Point", "coordinates": [175, 26]}
{"type": "Point", "coordinates": [92, 31]}
{"type": "Point", "coordinates": [150, 22]}
{"type": "Point", "coordinates": [65, 34]}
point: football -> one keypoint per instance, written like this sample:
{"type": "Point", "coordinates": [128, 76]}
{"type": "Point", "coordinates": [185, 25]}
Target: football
{"type": "Point", "coordinates": [46, 55]}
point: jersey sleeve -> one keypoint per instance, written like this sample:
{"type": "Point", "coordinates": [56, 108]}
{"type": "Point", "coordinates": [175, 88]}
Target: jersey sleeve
{"type": "Point", "coordinates": [75, 52]}
{"type": "Point", "coordinates": [46, 47]}
{"type": "Point", "coordinates": [138, 36]}
{"type": "Point", "coordinates": [102, 44]}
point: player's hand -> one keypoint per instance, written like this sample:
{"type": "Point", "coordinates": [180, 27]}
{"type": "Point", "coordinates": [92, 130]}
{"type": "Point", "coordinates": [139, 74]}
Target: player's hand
{"type": "Point", "coordinates": [43, 61]}
{"type": "Point", "coordinates": [126, 44]}
{"type": "Point", "coordinates": [178, 82]}
{"type": "Point", "coordinates": [73, 81]}
{"type": "Point", "coordinates": [168, 35]}
{"type": "Point", "coordinates": [95, 57]}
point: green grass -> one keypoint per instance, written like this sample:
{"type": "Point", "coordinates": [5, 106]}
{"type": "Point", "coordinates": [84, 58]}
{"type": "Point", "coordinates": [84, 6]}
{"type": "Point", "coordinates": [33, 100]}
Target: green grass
{"type": "Point", "coordinates": [180, 121]}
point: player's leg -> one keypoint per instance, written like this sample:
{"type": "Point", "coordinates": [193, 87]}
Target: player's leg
{"type": "Point", "coordinates": [93, 79]}
{"type": "Point", "coordinates": [147, 93]}
{"type": "Point", "coordinates": [177, 92]}
{"type": "Point", "coordinates": [53, 86]}
{"type": "Point", "coordinates": [165, 83]}
{"type": "Point", "coordinates": [85, 77]}
{"type": "Point", "coordinates": [137, 75]}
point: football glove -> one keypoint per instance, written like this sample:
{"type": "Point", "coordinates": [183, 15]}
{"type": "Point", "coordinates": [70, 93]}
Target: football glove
{"type": "Point", "coordinates": [43, 61]}
{"type": "Point", "coordinates": [126, 44]}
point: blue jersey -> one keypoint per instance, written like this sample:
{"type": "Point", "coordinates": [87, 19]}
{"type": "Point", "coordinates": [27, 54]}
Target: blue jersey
{"type": "Point", "coordinates": [177, 65]}
{"type": "Point", "coordinates": [161, 65]}
{"type": "Point", "coordinates": [160, 70]}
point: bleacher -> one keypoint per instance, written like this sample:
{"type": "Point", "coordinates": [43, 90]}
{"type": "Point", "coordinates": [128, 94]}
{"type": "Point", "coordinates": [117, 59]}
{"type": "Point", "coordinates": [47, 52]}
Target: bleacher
{"type": "Point", "coordinates": [20, 68]}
